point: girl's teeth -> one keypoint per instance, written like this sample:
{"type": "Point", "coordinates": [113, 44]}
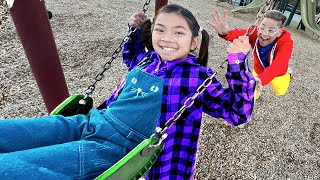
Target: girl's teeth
{"type": "Point", "coordinates": [169, 49]}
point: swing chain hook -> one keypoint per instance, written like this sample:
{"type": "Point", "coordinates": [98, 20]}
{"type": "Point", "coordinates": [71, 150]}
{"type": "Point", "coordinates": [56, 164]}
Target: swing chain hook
{"type": "Point", "coordinates": [190, 101]}
{"type": "Point", "coordinates": [114, 55]}
{"type": "Point", "coordinates": [163, 136]}
{"type": "Point", "coordinates": [146, 6]}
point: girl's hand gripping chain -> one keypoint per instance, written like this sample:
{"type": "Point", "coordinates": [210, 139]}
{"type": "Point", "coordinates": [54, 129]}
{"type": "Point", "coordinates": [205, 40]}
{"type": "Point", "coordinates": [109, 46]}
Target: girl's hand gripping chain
{"type": "Point", "coordinates": [137, 19]}
{"type": "Point", "coordinates": [240, 44]}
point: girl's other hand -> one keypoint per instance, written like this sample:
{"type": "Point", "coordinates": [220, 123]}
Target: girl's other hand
{"type": "Point", "coordinates": [137, 19]}
{"type": "Point", "coordinates": [241, 44]}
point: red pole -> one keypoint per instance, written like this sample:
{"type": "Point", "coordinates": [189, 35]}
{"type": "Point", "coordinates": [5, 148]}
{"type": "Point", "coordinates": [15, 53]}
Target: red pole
{"type": "Point", "coordinates": [160, 4]}
{"type": "Point", "coordinates": [33, 27]}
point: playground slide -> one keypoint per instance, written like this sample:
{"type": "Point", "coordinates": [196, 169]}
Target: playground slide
{"type": "Point", "coordinates": [311, 10]}
{"type": "Point", "coordinates": [308, 12]}
{"type": "Point", "coordinates": [253, 6]}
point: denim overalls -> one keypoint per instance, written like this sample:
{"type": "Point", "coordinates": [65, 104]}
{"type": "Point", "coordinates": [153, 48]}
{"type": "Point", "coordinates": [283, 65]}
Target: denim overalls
{"type": "Point", "coordinates": [81, 147]}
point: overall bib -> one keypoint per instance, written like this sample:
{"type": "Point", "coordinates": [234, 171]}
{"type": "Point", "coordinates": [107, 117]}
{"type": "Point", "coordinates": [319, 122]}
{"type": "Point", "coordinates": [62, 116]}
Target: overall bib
{"type": "Point", "coordinates": [81, 147]}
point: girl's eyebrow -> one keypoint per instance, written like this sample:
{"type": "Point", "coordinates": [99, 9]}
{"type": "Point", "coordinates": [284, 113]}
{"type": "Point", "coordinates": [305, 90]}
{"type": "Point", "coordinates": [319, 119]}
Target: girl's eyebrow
{"type": "Point", "coordinates": [176, 27]}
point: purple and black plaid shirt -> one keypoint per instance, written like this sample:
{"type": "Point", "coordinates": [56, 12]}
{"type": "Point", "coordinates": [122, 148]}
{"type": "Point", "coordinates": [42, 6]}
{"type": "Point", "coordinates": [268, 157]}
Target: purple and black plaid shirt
{"type": "Point", "coordinates": [182, 78]}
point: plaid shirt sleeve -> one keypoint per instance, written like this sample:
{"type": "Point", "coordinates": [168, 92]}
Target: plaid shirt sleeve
{"type": "Point", "coordinates": [134, 50]}
{"type": "Point", "coordinates": [233, 104]}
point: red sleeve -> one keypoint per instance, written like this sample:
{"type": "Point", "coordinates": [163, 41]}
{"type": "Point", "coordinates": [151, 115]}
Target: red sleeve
{"type": "Point", "coordinates": [235, 33]}
{"type": "Point", "coordinates": [279, 66]}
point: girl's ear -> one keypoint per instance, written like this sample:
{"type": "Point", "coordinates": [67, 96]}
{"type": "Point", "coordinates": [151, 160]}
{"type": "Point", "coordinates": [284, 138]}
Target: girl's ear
{"type": "Point", "coordinates": [195, 43]}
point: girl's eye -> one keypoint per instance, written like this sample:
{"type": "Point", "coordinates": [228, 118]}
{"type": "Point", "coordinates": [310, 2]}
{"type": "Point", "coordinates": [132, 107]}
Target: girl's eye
{"type": "Point", "coordinates": [179, 33]}
{"type": "Point", "coordinates": [158, 30]}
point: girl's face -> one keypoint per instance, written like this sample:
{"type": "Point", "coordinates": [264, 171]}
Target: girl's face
{"type": "Point", "coordinates": [172, 37]}
{"type": "Point", "coordinates": [268, 31]}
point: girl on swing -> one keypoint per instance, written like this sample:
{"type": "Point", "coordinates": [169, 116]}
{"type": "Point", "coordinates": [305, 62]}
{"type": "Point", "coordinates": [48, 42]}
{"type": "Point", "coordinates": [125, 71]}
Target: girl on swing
{"type": "Point", "coordinates": [157, 85]}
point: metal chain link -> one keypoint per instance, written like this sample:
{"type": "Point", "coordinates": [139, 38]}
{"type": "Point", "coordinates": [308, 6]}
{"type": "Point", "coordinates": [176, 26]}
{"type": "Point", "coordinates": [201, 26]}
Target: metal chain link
{"type": "Point", "coordinates": [259, 16]}
{"type": "Point", "coordinates": [114, 55]}
{"type": "Point", "coordinates": [4, 14]}
{"type": "Point", "coordinates": [190, 101]}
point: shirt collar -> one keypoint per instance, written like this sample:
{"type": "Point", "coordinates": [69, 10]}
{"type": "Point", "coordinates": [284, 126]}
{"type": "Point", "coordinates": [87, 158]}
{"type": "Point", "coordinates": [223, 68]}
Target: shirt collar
{"type": "Point", "coordinates": [190, 59]}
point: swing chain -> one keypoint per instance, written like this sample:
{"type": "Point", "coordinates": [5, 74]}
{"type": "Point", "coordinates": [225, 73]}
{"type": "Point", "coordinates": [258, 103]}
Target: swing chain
{"type": "Point", "coordinates": [146, 6]}
{"type": "Point", "coordinates": [259, 16]}
{"type": "Point", "coordinates": [4, 14]}
{"type": "Point", "coordinates": [190, 101]}
{"type": "Point", "coordinates": [114, 55]}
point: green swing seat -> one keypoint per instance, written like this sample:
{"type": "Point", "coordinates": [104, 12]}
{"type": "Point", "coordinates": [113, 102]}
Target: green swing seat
{"type": "Point", "coordinates": [136, 163]}
{"type": "Point", "coordinates": [132, 166]}
{"type": "Point", "coordinates": [75, 104]}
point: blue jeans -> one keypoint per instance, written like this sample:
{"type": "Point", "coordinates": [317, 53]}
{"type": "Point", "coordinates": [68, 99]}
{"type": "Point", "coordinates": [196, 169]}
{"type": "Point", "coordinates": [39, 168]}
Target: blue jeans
{"type": "Point", "coordinates": [57, 147]}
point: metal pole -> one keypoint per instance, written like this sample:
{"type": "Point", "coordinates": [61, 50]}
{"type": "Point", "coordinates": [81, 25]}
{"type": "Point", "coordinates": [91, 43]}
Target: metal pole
{"type": "Point", "coordinates": [160, 4]}
{"type": "Point", "coordinates": [292, 12]}
{"type": "Point", "coordinates": [33, 27]}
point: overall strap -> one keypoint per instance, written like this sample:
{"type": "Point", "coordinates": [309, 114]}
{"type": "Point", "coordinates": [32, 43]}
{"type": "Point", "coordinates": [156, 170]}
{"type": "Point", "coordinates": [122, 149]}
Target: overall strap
{"type": "Point", "coordinates": [144, 63]}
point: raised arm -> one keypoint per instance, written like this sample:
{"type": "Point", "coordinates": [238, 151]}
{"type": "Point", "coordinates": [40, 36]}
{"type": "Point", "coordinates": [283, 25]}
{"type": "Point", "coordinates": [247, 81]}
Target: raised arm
{"type": "Point", "coordinates": [134, 50]}
{"type": "Point", "coordinates": [233, 104]}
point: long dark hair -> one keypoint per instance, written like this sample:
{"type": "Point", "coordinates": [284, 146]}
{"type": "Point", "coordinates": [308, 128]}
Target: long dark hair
{"type": "Point", "coordinates": [146, 29]}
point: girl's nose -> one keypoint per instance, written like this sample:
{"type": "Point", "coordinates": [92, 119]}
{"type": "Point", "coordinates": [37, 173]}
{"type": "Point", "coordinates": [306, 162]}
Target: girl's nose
{"type": "Point", "coordinates": [167, 38]}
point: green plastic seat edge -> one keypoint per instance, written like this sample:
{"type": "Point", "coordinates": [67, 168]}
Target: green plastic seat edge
{"type": "Point", "coordinates": [126, 158]}
{"type": "Point", "coordinates": [58, 109]}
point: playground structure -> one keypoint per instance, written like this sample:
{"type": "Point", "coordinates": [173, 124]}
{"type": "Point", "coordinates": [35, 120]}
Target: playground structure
{"type": "Point", "coordinates": [308, 16]}
{"type": "Point", "coordinates": [251, 7]}
{"type": "Point", "coordinates": [308, 12]}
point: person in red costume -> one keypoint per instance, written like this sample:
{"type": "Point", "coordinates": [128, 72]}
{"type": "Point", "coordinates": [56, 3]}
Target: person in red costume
{"type": "Point", "coordinates": [272, 48]}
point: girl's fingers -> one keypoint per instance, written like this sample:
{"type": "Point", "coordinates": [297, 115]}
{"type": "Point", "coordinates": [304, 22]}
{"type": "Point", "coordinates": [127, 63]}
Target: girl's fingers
{"type": "Point", "coordinates": [233, 48]}
{"type": "Point", "coordinates": [229, 50]}
{"type": "Point", "coordinates": [138, 19]}
{"type": "Point", "coordinates": [242, 42]}
{"type": "Point", "coordinates": [237, 41]}
{"type": "Point", "coordinates": [244, 39]}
